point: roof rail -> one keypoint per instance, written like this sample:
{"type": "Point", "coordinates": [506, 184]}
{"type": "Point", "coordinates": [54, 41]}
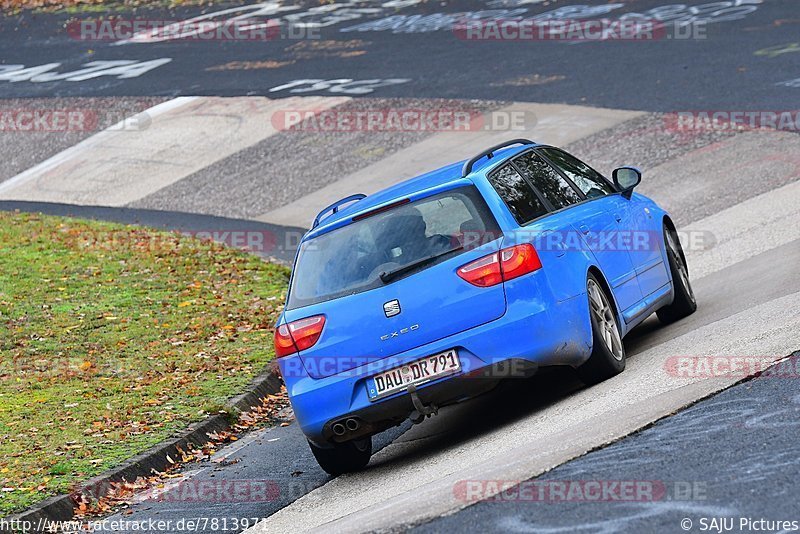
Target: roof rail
{"type": "Point", "coordinates": [489, 153]}
{"type": "Point", "coordinates": [333, 208]}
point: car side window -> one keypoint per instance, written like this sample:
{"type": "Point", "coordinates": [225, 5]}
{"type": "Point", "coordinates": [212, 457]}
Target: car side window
{"type": "Point", "coordinates": [587, 179]}
{"type": "Point", "coordinates": [446, 216]}
{"type": "Point", "coordinates": [558, 192]}
{"type": "Point", "coordinates": [517, 194]}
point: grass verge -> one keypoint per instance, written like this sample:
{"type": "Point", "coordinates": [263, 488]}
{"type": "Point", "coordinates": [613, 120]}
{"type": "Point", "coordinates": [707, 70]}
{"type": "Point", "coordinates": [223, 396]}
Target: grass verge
{"type": "Point", "coordinates": [112, 338]}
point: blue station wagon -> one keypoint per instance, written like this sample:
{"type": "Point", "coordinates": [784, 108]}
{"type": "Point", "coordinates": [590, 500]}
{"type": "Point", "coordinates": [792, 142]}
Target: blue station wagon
{"type": "Point", "coordinates": [431, 291]}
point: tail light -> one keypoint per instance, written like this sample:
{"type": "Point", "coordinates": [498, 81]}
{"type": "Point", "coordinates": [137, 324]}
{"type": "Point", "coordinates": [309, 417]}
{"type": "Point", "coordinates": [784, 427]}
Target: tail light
{"type": "Point", "coordinates": [501, 266]}
{"type": "Point", "coordinates": [519, 260]}
{"type": "Point", "coordinates": [298, 335]}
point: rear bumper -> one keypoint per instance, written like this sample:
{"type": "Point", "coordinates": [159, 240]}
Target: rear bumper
{"type": "Point", "coordinates": [382, 415]}
{"type": "Point", "coordinates": [514, 345]}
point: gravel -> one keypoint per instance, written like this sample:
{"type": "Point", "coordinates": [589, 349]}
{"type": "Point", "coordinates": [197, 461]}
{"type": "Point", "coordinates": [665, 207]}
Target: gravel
{"type": "Point", "coordinates": [291, 164]}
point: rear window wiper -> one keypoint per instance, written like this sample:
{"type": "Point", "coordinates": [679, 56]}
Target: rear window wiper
{"type": "Point", "coordinates": [387, 277]}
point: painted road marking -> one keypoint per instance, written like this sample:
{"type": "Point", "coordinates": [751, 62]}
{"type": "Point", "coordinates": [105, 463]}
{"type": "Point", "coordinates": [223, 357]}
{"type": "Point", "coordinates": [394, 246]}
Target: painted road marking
{"type": "Point", "coordinates": [680, 14]}
{"type": "Point", "coordinates": [745, 230]}
{"type": "Point", "coordinates": [116, 167]}
{"type": "Point", "coordinates": [346, 86]}
{"type": "Point", "coordinates": [123, 69]}
{"type": "Point", "coordinates": [85, 146]}
{"type": "Point", "coordinates": [265, 14]}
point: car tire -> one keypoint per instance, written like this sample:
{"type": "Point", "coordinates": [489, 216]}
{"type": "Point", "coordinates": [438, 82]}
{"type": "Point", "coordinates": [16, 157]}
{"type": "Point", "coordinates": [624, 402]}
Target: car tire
{"type": "Point", "coordinates": [608, 352]}
{"type": "Point", "coordinates": [684, 302]}
{"type": "Point", "coordinates": [344, 457]}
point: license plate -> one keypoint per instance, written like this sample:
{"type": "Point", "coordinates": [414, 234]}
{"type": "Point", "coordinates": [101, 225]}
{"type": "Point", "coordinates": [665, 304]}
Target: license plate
{"type": "Point", "coordinates": [416, 372]}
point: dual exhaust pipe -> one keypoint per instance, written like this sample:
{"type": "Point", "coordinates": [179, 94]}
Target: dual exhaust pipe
{"type": "Point", "coordinates": [348, 425]}
{"type": "Point", "coordinates": [351, 424]}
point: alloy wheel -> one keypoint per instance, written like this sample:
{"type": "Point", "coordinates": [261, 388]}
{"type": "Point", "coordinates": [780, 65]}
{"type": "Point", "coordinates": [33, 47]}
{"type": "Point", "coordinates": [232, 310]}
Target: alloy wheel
{"type": "Point", "coordinates": [606, 319]}
{"type": "Point", "coordinates": [680, 265]}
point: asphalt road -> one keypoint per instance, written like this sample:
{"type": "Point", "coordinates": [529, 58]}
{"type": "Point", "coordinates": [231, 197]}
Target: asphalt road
{"type": "Point", "coordinates": [277, 457]}
{"type": "Point", "coordinates": [736, 450]}
{"type": "Point", "coordinates": [743, 55]}
{"type": "Point", "coordinates": [279, 242]}
{"type": "Point", "coordinates": [714, 460]}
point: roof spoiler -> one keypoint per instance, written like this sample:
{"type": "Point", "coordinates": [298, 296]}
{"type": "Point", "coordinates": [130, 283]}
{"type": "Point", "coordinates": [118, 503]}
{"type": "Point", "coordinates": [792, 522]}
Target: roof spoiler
{"type": "Point", "coordinates": [333, 208]}
{"type": "Point", "coordinates": [489, 153]}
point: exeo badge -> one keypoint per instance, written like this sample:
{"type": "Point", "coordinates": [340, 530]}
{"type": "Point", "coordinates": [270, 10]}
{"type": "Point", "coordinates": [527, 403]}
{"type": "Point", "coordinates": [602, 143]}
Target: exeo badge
{"type": "Point", "coordinates": [400, 332]}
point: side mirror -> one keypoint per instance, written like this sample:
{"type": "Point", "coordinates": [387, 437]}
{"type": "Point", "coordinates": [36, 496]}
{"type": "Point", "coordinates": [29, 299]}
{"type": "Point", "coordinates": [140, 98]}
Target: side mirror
{"type": "Point", "coordinates": [626, 178]}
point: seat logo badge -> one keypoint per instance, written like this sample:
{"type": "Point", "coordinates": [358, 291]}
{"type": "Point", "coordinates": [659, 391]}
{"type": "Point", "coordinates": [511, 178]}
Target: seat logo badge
{"type": "Point", "coordinates": [392, 308]}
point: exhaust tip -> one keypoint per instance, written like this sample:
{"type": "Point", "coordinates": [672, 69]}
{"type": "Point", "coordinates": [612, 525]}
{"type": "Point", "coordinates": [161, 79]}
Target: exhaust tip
{"type": "Point", "coordinates": [339, 429]}
{"type": "Point", "coordinates": [352, 424]}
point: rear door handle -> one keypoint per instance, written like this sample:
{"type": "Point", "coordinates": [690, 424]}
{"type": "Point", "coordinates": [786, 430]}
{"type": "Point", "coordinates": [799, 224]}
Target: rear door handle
{"type": "Point", "coordinates": [617, 217]}
{"type": "Point", "coordinates": [584, 229]}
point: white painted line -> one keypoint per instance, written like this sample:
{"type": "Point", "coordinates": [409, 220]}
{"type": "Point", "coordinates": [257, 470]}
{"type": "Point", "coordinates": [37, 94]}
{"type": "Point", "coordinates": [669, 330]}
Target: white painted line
{"type": "Point", "coordinates": [755, 226]}
{"type": "Point", "coordinates": [87, 144]}
{"type": "Point", "coordinates": [117, 167]}
{"type": "Point", "coordinates": [231, 449]}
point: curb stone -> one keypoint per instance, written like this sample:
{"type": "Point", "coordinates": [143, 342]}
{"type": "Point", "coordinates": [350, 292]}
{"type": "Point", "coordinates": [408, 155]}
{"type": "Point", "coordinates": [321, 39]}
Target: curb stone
{"type": "Point", "coordinates": [62, 507]}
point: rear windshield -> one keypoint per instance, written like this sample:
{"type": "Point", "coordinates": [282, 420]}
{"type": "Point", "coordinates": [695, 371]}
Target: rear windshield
{"type": "Point", "coordinates": [350, 259]}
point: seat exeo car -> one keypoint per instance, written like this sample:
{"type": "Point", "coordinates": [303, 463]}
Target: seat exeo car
{"type": "Point", "coordinates": [429, 292]}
